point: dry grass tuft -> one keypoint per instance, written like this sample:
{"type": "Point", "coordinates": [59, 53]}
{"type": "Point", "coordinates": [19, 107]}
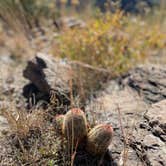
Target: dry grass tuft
{"type": "Point", "coordinates": [20, 121]}
{"type": "Point", "coordinates": [33, 139]}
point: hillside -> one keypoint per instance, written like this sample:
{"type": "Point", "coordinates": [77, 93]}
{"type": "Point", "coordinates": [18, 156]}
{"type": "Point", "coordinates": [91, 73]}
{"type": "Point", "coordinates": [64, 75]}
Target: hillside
{"type": "Point", "coordinates": [80, 87]}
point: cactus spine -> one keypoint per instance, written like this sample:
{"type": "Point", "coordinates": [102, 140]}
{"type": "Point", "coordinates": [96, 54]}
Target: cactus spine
{"type": "Point", "coordinates": [99, 138]}
{"type": "Point", "coordinates": [74, 126]}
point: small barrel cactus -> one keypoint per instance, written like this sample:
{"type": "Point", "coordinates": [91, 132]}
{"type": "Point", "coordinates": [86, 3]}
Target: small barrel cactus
{"type": "Point", "coordinates": [74, 126]}
{"type": "Point", "coordinates": [58, 121]}
{"type": "Point", "coordinates": [99, 138]}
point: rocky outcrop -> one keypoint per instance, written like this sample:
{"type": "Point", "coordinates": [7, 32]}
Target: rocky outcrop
{"type": "Point", "coordinates": [47, 77]}
{"type": "Point", "coordinates": [60, 80]}
{"type": "Point", "coordinates": [135, 106]}
{"type": "Point", "coordinates": [149, 82]}
{"type": "Point", "coordinates": [149, 136]}
{"type": "Point", "coordinates": [123, 108]}
{"type": "Point", "coordinates": [157, 119]}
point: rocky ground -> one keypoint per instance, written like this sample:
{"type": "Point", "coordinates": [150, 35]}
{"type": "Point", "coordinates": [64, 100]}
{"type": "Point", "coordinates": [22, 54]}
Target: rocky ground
{"type": "Point", "coordinates": [134, 104]}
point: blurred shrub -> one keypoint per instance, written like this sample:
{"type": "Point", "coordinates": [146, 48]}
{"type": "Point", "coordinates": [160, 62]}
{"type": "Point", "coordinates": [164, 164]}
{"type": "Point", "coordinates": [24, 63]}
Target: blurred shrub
{"type": "Point", "coordinates": [112, 41]}
{"type": "Point", "coordinates": [25, 13]}
{"type": "Point", "coordinates": [132, 6]}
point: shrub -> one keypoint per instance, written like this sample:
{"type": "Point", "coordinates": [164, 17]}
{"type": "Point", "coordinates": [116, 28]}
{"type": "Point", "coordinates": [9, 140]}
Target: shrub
{"type": "Point", "coordinates": [113, 41]}
{"type": "Point", "coordinates": [25, 13]}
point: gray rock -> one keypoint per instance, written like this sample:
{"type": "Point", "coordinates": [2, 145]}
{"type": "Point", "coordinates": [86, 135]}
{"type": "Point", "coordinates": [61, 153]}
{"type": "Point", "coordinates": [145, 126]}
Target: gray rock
{"type": "Point", "coordinates": [157, 119]}
{"type": "Point", "coordinates": [48, 77]}
{"type": "Point", "coordinates": [123, 109]}
{"type": "Point", "coordinates": [139, 125]}
{"type": "Point", "coordinates": [148, 81]}
{"type": "Point", "coordinates": [156, 114]}
{"type": "Point", "coordinates": [48, 74]}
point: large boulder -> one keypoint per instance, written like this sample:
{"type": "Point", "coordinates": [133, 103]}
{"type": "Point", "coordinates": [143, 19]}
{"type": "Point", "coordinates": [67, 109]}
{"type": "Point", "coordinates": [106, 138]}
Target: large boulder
{"type": "Point", "coordinates": [47, 76]}
{"type": "Point", "coordinates": [60, 80]}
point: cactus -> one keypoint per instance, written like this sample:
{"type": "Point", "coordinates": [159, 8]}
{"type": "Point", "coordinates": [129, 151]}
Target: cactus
{"type": "Point", "coordinates": [74, 126]}
{"type": "Point", "coordinates": [58, 121]}
{"type": "Point", "coordinates": [99, 138]}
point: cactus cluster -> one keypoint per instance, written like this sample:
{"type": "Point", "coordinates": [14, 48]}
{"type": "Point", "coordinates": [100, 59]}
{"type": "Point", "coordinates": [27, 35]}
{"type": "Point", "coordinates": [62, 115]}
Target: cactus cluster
{"type": "Point", "coordinates": [73, 125]}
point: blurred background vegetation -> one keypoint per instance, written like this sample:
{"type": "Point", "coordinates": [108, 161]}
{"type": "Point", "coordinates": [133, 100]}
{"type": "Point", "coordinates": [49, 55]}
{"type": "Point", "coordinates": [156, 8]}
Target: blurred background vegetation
{"type": "Point", "coordinates": [109, 34]}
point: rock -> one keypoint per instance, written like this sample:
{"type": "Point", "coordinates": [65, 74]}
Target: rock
{"type": "Point", "coordinates": [61, 79]}
{"type": "Point", "coordinates": [47, 75]}
{"type": "Point", "coordinates": [157, 119]}
{"type": "Point", "coordinates": [135, 106]}
{"type": "Point", "coordinates": [156, 114]}
{"type": "Point", "coordinates": [149, 141]}
{"type": "Point", "coordinates": [122, 108]}
{"type": "Point", "coordinates": [150, 148]}
{"type": "Point", "coordinates": [105, 107]}
{"type": "Point", "coordinates": [148, 81]}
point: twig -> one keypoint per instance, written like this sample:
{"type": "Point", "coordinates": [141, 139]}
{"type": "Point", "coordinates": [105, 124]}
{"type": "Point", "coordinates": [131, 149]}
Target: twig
{"type": "Point", "coordinates": [124, 136]}
{"type": "Point", "coordinates": [85, 65]}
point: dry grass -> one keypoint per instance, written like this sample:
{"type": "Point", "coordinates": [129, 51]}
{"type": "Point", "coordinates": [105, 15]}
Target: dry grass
{"type": "Point", "coordinates": [21, 122]}
{"type": "Point", "coordinates": [32, 138]}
